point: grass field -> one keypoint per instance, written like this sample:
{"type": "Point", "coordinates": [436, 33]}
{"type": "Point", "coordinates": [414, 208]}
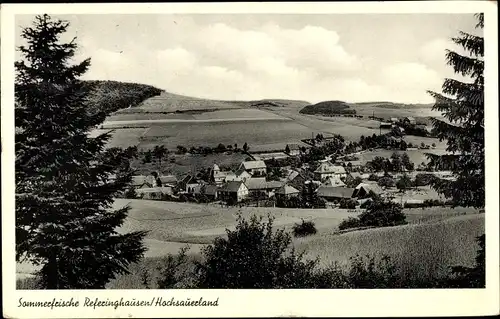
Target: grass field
{"type": "Point", "coordinates": [260, 135]}
{"type": "Point", "coordinates": [419, 250]}
{"type": "Point", "coordinates": [436, 237]}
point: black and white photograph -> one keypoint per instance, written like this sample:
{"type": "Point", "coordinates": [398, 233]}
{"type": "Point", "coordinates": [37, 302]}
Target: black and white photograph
{"type": "Point", "coordinates": [165, 151]}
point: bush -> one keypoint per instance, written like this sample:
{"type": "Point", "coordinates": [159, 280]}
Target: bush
{"type": "Point", "coordinates": [348, 203]}
{"type": "Point", "coordinates": [383, 213]}
{"type": "Point", "coordinates": [386, 182]}
{"type": "Point", "coordinates": [373, 177]}
{"type": "Point", "coordinates": [304, 229]}
{"type": "Point", "coordinates": [350, 222]}
{"type": "Point", "coordinates": [254, 256]}
{"type": "Point", "coordinates": [423, 179]}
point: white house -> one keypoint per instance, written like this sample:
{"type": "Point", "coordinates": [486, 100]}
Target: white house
{"type": "Point", "coordinates": [255, 168]}
{"type": "Point", "coordinates": [233, 190]}
{"type": "Point", "coordinates": [327, 169]}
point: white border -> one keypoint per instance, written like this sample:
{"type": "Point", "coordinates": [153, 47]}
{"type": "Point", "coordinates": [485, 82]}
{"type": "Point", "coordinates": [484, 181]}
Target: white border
{"type": "Point", "coordinates": [263, 302]}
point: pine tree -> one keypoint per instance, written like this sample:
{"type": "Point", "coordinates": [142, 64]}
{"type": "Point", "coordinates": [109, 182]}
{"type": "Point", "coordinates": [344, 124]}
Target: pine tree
{"type": "Point", "coordinates": [64, 189]}
{"type": "Point", "coordinates": [462, 104]}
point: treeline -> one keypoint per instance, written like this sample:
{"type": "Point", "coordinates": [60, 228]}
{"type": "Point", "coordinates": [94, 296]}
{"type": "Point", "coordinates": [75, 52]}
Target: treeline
{"type": "Point", "coordinates": [111, 96]}
{"type": "Point", "coordinates": [328, 108]}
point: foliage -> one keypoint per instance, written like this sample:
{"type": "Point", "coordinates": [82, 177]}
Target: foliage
{"type": "Point", "coordinates": [350, 222]}
{"type": "Point", "coordinates": [304, 229]}
{"type": "Point", "coordinates": [379, 213]}
{"type": "Point", "coordinates": [328, 108]}
{"type": "Point", "coordinates": [63, 187]}
{"type": "Point", "coordinates": [353, 182]}
{"type": "Point", "coordinates": [386, 182]}
{"type": "Point", "coordinates": [423, 179]}
{"type": "Point", "coordinates": [348, 203]}
{"type": "Point", "coordinates": [254, 256]}
{"type": "Point", "coordinates": [373, 177]}
{"type": "Point", "coordinates": [130, 193]}
{"type": "Point", "coordinates": [404, 182]}
{"type": "Point", "coordinates": [462, 104]}
{"type": "Point", "coordinates": [174, 271]}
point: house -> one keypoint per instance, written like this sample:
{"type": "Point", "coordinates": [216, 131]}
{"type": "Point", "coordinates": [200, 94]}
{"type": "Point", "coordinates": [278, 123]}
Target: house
{"type": "Point", "coordinates": [353, 164]}
{"type": "Point", "coordinates": [386, 125]}
{"type": "Point", "coordinates": [240, 175]}
{"type": "Point", "coordinates": [294, 149]}
{"type": "Point", "coordinates": [327, 169]}
{"type": "Point", "coordinates": [296, 179]}
{"type": "Point", "coordinates": [217, 176]}
{"type": "Point", "coordinates": [286, 191]}
{"type": "Point", "coordinates": [363, 189]}
{"type": "Point", "coordinates": [334, 193]}
{"type": "Point", "coordinates": [142, 181]}
{"type": "Point", "coordinates": [333, 181]}
{"type": "Point", "coordinates": [410, 120]}
{"type": "Point", "coordinates": [211, 191]}
{"type": "Point", "coordinates": [167, 180]}
{"type": "Point", "coordinates": [255, 168]}
{"type": "Point", "coordinates": [154, 192]}
{"type": "Point", "coordinates": [182, 185]}
{"type": "Point", "coordinates": [259, 184]}
{"type": "Point", "coordinates": [233, 191]}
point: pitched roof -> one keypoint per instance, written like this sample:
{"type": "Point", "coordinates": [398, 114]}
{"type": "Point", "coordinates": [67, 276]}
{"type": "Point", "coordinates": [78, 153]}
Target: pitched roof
{"type": "Point", "coordinates": [287, 190]}
{"type": "Point", "coordinates": [232, 186]}
{"type": "Point", "coordinates": [187, 179]}
{"type": "Point", "coordinates": [261, 183]}
{"type": "Point", "coordinates": [327, 167]}
{"type": "Point", "coordinates": [168, 179]}
{"type": "Point", "coordinates": [140, 180]}
{"type": "Point", "coordinates": [209, 189]}
{"type": "Point", "coordinates": [253, 164]}
{"type": "Point", "coordinates": [293, 174]}
{"type": "Point", "coordinates": [336, 192]}
{"type": "Point", "coordinates": [369, 187]}
{"type": "Point", "coordinates": [334, 182]}
{"type": "Point", "coordinates": [216, 167]}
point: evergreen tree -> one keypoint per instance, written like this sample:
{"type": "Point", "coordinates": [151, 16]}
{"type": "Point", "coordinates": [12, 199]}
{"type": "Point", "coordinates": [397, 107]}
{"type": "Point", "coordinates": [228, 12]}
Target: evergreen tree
{"type": "Point", "coordinates": [64, 189]}
{"type": "Point", "coordinates": [462, 104]}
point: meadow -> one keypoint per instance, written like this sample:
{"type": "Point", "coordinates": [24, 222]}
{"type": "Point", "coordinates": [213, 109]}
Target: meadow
{"type": "Point", "coordinates": [434, 239]}
{"type": "Point", "coordinates": [259, 134]}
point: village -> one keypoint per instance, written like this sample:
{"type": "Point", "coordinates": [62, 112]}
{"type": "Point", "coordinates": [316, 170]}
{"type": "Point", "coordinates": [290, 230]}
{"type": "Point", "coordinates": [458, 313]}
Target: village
{"type": "Point", "coordinates": [318, 173]}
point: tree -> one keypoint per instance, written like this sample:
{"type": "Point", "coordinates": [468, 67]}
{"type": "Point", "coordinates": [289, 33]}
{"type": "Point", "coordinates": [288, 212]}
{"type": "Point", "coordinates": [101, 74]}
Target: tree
{"type": "Point", "coordinates": [254, 256]}
{"type": "Point", "coordinates": [396, 162]}
{"type": "Point", "coordinates": [462, 104]}
{"type": "Point", "coordinates": [386, 182]}
{"type": "Point", "coordinates": [245, 147]}
{"type": "Point", "coordinates": [353, 182]}
{"type": "Point", "coordinates": [403, 183]}
{"type": "Point", "coordinates": [147, 157]}
{"type": "Point", "coordinates": [383, 213]}
{"type": "Point", "coordinates": [64, 220]}
{"type": "Point", "coordinates": [287, 149]}
{"type": "Point", "coordinates": [406, 162]}
{"type": "Point", "coordinates": [159, 151]}
{"type": "Point", "coordinates": [181, 149]}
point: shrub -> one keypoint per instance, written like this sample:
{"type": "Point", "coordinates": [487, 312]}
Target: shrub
{"type": "Point", "coordinates": [130, 193]}
{"type": "Point", "coordinates": [348, 203]}
{"type": "Point", "coordinates": [386, 182]}
{"type": "Point", "coordinates": [304, 229]}
{"type": "Point", "coordinates": [423, 179]}
{"type": "Point", "coordinates": [382, 213]}
{"type": "Point", "coordinates": [403, 183]}
{"type": "Point", "coordinates": [254, 256]}
{"type": "Point", "coordinates": [350, 222]}
{"type": "Point", "coordinates": [373, 178]}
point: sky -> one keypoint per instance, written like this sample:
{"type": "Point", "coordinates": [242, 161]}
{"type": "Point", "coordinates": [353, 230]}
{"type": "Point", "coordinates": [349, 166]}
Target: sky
{"type": "Point", "coordinates": [349, 57]}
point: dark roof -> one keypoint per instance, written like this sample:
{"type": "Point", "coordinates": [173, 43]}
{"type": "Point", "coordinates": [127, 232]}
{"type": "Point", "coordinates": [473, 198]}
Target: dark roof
{"type": "Point", "coordinates": [210, 189]}
{"type": "Point", "coordinates": [287, 190]}
{"type": "Point", "coordinates": [335, 192]}
{"type": "Point", "coordinates": [261, 183]}
{"type": "Point", "coordinates": [168, 179]}
{"type": "Point", "coordinates": [232, 186]}
{"type": "Point", "coordinates": [187, 179]}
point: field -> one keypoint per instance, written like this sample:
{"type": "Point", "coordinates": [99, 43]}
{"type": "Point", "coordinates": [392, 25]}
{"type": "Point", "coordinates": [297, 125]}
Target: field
{"type": "Point", "coordinates": [435, 237]}
{"type": "Point", "coordinates": [179, 165]}
{"type": "Point", "coordinates": [259, 134]}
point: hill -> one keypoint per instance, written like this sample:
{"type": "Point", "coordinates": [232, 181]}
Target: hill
{"type": "Point", "coordinates": [392, 105]}
{"type": "Point", "coordinates": [111, 96]}
{"type": "Point", "coordinates": [175, 103]}
{"type": "Point", "coordinates": [328, 108]}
